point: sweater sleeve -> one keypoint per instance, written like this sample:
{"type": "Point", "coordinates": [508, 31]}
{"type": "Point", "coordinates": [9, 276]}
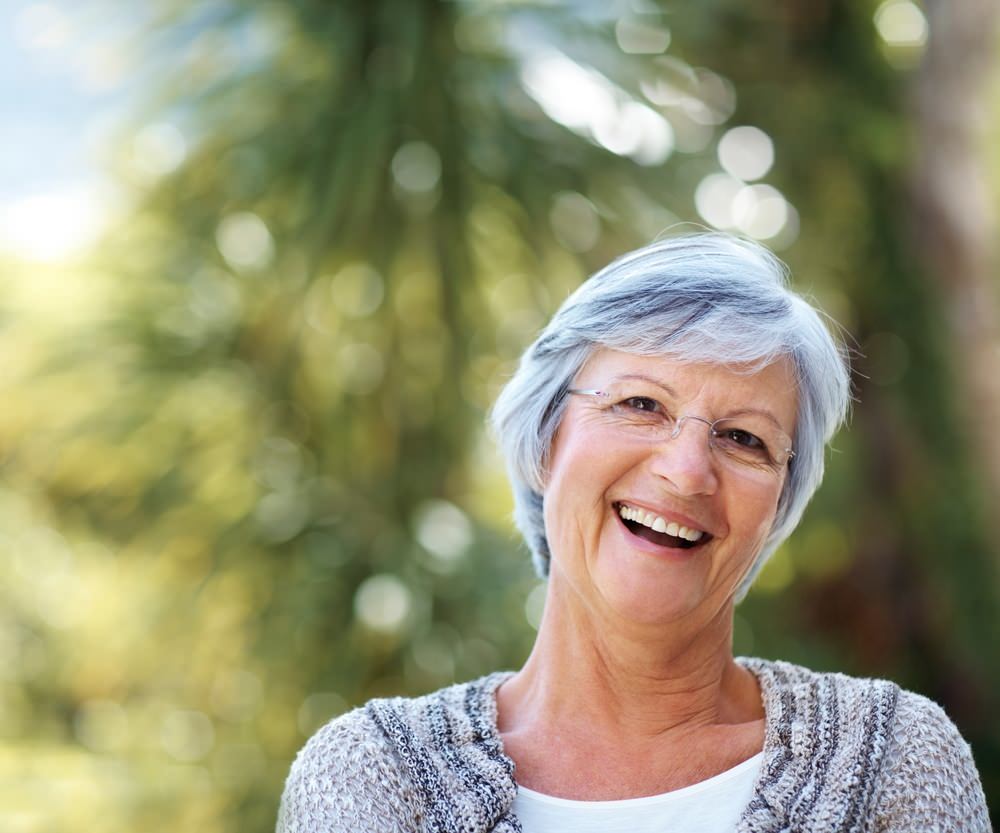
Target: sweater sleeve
{"type": "Point", "coordinates": [345, 779]}
{"type": "Point", "coordinates": [929, 782]}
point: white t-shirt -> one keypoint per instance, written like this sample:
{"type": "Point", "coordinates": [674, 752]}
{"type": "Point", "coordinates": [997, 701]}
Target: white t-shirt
{"type": "Point", "coordinates": [710, 806]}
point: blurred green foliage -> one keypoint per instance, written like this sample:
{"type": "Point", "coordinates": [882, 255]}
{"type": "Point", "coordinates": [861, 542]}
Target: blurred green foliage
{"type": "Point", "coordinates": [245, 482]}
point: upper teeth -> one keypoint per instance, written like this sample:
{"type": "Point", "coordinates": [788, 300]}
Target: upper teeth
{"type": "Point", "coordinates": [658, 524]}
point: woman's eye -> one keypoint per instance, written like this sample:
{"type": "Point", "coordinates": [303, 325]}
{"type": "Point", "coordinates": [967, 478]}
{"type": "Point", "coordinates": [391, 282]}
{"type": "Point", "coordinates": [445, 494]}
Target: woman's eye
{"type": "Point", "coordinates": [642, 403]}
{"type": "Point", "coordinates": [744, 438]}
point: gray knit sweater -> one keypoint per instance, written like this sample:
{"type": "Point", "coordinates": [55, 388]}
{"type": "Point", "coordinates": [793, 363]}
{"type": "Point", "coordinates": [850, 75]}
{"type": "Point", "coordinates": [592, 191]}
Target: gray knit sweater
{"type": "Point", "coordinates": [840, 754]}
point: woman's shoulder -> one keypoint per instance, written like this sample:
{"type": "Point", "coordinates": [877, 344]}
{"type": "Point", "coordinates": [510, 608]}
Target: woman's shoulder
{"type": "Point", "coordinates": [786, 683]}
{"type": "Point", "coordinates": [344, 778]}
{"type": "Point", "coordinates": [790, 677]}
{"type": "Point", "coordinates": [383, 765]}
{"type": "Point", "coordinates": [931, 780]}
{"type": "Point", "coordinates": [874, 706]}
{"type": "Point", "coordinates": [904, 757]}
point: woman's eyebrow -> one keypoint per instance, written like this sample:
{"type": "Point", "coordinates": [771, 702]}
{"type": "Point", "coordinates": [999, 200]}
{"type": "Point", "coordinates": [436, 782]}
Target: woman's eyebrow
{"type": "Point", "coordinates": [643, 378]}
{"type": "Point", "coordinates": [661, 384]}
{"type": "Point", "coordinates": [760, 412]}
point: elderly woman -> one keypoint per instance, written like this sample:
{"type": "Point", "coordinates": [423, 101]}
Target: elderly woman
{"type": "Point", "coordinates": [663, 435]}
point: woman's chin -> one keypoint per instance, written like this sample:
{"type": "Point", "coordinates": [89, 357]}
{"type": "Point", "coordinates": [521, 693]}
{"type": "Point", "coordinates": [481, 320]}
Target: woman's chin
{"type": "Point", "coordinates": [634, 598]}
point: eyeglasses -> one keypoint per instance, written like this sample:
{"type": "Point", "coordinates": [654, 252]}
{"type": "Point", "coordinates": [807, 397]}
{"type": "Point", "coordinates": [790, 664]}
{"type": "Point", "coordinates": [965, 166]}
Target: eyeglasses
{"type": "Point", "coordinates": [745, 444]}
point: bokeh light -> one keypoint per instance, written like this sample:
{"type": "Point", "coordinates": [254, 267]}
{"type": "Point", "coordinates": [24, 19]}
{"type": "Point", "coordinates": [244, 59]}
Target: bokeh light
{"type": "Point", "coordinates": [586, 102]}
{"type": "Point", "coordinates": [443, 530]}
{"type": "Point", "coordinates": [715, 197]}
{"type": "Point", "coordinates": [641, 36]}
{"type": "Point", "coordinates": [383, 603]}
{"type": "Point", "coordinates": [746, 152]}
{"type": "Point", "coordinates": [901, 23]}
{"type": "Point", "coordinates": [759, 211]}
{"type": "Point", "coordinates": [416, 167]}
{"type": "Point", "coordinates": [245, 241]}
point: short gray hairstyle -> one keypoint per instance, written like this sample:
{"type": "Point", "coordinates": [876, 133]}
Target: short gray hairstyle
{"type": "Point", "coordinates": [707, 297]}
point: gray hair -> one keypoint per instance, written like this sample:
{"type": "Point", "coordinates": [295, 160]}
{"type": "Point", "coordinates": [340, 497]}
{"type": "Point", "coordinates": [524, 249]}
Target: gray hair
{"type": "Point", "coordinates": [706, 297]}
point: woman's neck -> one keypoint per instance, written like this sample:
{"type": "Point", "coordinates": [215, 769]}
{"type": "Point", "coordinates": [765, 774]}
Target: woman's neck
{"type": "Point", "coordinates": [630, 681]}
{"type": "Point", "coordinates": [604, 713]}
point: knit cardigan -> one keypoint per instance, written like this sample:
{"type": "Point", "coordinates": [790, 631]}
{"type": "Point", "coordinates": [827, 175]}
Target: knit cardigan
{"type": "Point", "coordinates": [840, 754]}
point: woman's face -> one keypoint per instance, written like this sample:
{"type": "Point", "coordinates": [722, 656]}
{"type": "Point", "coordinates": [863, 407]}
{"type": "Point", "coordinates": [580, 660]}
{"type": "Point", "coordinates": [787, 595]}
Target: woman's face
{"type": "Point", "coordinates": [617, 483]}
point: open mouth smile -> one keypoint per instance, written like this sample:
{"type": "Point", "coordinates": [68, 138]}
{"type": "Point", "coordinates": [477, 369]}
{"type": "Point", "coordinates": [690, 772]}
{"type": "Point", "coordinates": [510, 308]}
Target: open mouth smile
{"type": "Point", "coordinates": [657, 530]}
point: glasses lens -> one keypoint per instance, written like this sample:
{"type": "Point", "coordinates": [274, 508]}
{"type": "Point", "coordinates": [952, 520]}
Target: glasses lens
{"type": "Point", "coordinates": [750, 442]}
{"type": "Point", "coordinates": [641, 410]}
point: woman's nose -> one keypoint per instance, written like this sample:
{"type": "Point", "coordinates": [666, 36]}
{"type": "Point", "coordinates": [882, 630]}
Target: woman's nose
{"type": "Point", "coordinates": [685, 459]}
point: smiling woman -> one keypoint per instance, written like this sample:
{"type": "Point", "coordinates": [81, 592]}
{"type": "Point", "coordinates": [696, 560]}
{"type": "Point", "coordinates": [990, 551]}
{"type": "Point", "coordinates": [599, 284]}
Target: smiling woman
{"type": "Point", "coordinates": [641, 459]}
{"type": "Point", "coordinates": [663, 436]}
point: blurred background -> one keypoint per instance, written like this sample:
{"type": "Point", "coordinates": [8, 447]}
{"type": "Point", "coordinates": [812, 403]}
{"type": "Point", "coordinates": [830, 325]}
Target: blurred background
{"type": "Point", "coordinates": [264, 266]}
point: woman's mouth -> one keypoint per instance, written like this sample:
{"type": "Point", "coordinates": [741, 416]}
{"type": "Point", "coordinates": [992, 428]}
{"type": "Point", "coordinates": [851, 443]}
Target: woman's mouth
{"type": "Point", "coordinates": [658, 530]}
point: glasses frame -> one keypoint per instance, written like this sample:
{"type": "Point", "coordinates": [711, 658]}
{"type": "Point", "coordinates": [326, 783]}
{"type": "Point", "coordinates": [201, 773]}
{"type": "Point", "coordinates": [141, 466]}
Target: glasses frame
{"type": "Point", "coordinates": [679, 424]}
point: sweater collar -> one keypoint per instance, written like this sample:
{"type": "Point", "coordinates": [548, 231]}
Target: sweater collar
{"type": "Point", "coordinates": [816, 725]}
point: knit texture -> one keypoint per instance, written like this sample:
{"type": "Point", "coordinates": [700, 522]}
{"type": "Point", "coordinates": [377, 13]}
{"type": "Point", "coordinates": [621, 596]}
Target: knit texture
{"type": "Point", "coordinates": [840, 754]}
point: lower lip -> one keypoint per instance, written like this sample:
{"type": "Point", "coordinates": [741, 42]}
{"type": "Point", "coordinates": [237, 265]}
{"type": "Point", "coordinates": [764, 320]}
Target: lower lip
{"type": "Point", "coordinates": [655, 549]}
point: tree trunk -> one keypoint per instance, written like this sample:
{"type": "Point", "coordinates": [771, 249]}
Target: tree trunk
{"type": "Point", "coordinates": [955, 222]}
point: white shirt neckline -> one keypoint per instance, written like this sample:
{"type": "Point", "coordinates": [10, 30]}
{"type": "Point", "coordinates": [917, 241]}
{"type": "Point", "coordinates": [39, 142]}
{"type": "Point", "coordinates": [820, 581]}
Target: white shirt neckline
{"type": "Point", "coordinates": [718, 780]}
